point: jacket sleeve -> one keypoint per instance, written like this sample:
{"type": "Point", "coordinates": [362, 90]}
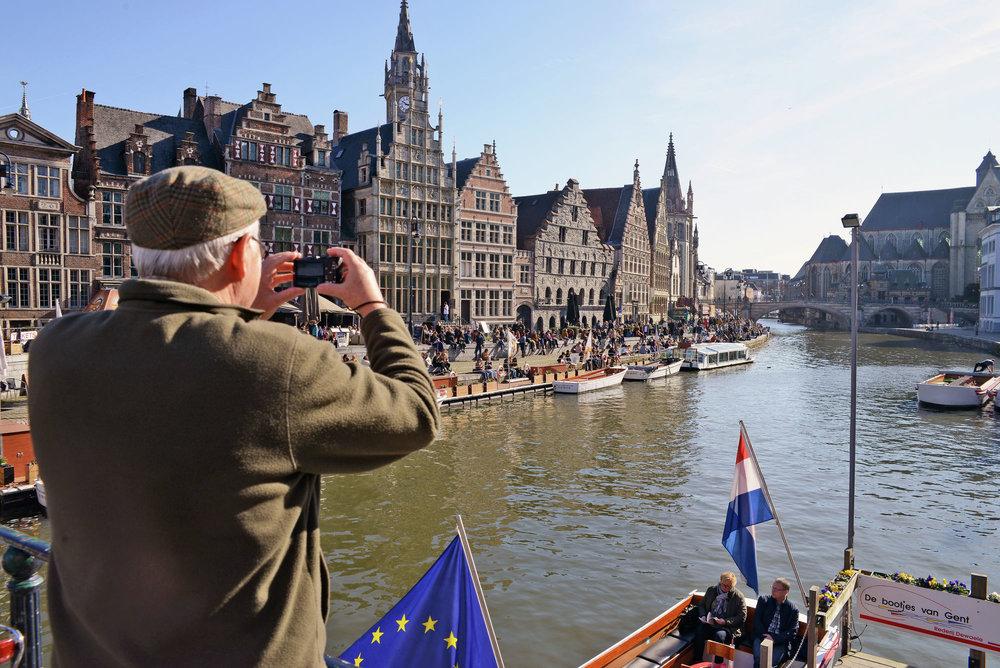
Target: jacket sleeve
{"type": "Point", "coordinates": [736, 621]}
{"type": "Point", "coordinates": [790, 629]}
{"type": "Point", "coordinates": [759, 629]}
{"type": "Point", "coordinates": [705, 605]}
{"type": "Point", "coordinates": [349, 417]}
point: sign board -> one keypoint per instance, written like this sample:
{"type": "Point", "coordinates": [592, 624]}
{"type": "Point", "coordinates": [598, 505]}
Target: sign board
{"type": "Point", "coordinates": [961, 619]}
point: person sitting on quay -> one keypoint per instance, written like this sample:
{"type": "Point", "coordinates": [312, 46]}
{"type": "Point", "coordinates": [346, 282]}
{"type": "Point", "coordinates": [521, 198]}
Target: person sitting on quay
{"type": "Point", "coordinates": [724, 611]}
{"type": "Point", "coordinates": [204, 549]}
{"type": "Point", "coordinates": [776, 618]}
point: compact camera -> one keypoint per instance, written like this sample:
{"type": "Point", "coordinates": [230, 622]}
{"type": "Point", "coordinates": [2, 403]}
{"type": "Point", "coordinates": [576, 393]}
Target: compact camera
{"type": "Point", "coordinates": [309, 272]}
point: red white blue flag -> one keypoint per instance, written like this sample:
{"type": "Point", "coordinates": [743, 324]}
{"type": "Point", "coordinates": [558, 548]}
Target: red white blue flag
{"type": "Point", "coordinates": [748, 506]}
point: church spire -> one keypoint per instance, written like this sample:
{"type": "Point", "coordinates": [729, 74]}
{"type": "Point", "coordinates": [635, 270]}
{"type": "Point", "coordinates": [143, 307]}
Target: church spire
{"type": "Point", "coordinates": [671, 181]}
{"type": "Point", "coordinates": [24, 111]}
{"type": "Point", "coordinates": [404, 34]}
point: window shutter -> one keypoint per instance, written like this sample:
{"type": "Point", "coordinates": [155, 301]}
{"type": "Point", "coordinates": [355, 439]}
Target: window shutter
{"type": "Point", "coordinates": [295, 204]}
{"type": "Point", "coordinates": [333, 208]}
{"type": "Point", "coordinates": [309, 206]}
{"type": "Point", "coordinates": [272, 156]}
{"type": "Point", "coordinates": [260, 153]}
{"type": "Point", "coordinates": [270, 201]}
{"type": "Point", "coordinates": [295, 157]}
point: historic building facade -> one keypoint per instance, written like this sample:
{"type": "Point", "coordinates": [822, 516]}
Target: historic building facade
{"type": "Point", "coordinates": [485, 247]}
{"type": "Point", "coordinates": [399, 193]}
{"type": "Point", "coordinates": [989, 276]}
{"type": "Point", "coordinates": [48, 254]}
{"type": "Point", "coordinates": [282, 154]}
{"type": "Point", "coordinates": [557, 231]}
{"type": "Point", "coordinates": [620, 217]}
{"type": "Point", "coordinates": [916, 246]}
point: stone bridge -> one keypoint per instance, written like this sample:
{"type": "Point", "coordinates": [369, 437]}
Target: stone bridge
{"type": "Point", "coordinates": [873, 314]}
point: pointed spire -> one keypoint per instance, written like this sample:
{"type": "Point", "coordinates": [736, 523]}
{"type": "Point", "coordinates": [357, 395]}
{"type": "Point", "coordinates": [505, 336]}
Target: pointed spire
{"type": "Point", "coordinates": [635, 172]}
{"type": "Point", "coordinates": [690, 190]}
{"type": "Point", "coordinates": [404, 34]}
{"type": "Point", "coordinates": [24, 111]}
{"type": "Point", "coordinates": [671, 182]}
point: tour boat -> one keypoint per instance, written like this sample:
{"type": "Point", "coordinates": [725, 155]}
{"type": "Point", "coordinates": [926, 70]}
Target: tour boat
{"type": "Point", "coordinates": [652, 371]}
{"type": "Point", "coordinates": [591, 380]}
{"type": "Point", "coordinates": [706, 356]}
{"type": "Point", "coordinates": [957, 389]}
{"type": "Point", "coordinates": [659, 643]}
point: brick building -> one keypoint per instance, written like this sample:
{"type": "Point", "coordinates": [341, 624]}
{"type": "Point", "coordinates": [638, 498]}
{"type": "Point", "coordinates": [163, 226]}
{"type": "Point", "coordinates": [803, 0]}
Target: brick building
{"type": "Point", "coordinates": [281, 153]}
{"type": "Point", "coordinates": [399, 193]}
{"type": "Point", "coordinates": [620, 217]}
{"type": "Point", "coordinates": [48, 253]}
{"type": "Point", "coordinates": [487, 218]}
{"type": "Point", "coordinates": [557, 231]}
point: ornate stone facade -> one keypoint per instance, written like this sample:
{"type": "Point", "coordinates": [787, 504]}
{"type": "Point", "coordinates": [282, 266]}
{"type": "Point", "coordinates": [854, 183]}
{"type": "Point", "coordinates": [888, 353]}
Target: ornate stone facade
{"type": "Point", "coordinates": [48, 254]}
{"type": "Point", "coordinates": [399, 193]}
{"type": "Point", "coordinates": [558, 231]}
{"type": "Point", "coordinates": [487, 220]}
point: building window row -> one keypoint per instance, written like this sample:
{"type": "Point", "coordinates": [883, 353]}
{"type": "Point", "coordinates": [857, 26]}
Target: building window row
{"type": "Point", "coordinates": [49, 282]}
{"type": "Point", "coordinates": [561, 265]}
{"type": "Point", "coordinates": [428, 250]}
{"type": "Point", "coordinates": [418, 173]}
{"type": "Point", "coordinates": [402, 208]}
{"type": "Point", "coordinates": [48, 233]}
{"type": "Point", "coordinates": [38, 180]}
{"type": "Point", "coordinates": [425, 297]}
{"type": "Point", "coordinates": [113, 207]}
{"type": "Point", "coordinates": [271, 154]}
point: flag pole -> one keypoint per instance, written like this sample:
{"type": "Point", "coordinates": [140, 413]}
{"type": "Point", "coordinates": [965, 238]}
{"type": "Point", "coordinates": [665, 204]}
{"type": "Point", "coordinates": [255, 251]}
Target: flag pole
{"type": "Point", "coordinates": [460, 528]}
{"type": "Point", "coordinates": [774, 511]}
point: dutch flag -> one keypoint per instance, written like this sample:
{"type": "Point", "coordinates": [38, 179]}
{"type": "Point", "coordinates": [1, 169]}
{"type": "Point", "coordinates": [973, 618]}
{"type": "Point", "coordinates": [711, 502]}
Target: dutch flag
{"type": "Point", "coordinates": [747, 506]}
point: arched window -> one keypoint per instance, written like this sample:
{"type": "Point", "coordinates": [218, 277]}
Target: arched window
{"type": "Point", "coordinates": [602, 297]}
{"type": "Point", "coordinates": [558, 295]}
{"type": "Point", "coordinates": [138, 162]}
{"type": "Point", "coordinates": [548, 295]}
{"type": "Point", "coordinates": [591, 300]}
{"type": "Point", "coordinates": [552, 322]}
{"type": "Point", "coordinates": [539, 324]}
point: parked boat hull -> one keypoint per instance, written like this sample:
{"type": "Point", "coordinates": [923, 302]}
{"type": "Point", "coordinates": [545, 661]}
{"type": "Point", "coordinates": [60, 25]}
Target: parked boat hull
{"type": "Point", "coordinates": [644, 372]}
{"type": "Point", "coordinates": [589, 383]}
{"type": "Point", "coordinates": [954, 390]}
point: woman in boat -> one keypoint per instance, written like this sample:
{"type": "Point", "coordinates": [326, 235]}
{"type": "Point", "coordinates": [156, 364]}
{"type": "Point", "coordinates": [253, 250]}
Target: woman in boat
{"type": "Point", "coordinates": [722, 613]}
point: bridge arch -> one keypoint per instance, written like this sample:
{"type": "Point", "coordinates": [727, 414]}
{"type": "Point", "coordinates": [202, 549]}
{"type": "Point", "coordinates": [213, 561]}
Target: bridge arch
{"type": "Point", "coordinates": [838, 313]}
{"type": "Point", "coordinates": [888, 316]}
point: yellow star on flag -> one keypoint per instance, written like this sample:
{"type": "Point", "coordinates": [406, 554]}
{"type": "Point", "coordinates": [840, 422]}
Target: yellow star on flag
{"type": "Point", "coordinates": [451, 640]}
{"type": "Point", "coordinates": [429, 624]}
{"type": "Point", "coordinates": [377, 636]}
{"type": "Point", "coordinates": [358, 660]}
{"type": "Point", "coordinates": [401, 624]}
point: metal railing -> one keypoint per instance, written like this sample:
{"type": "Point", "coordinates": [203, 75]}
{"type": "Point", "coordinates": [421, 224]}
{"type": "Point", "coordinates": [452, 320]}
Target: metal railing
{"type": "Point", "coordinates": [22, 560]}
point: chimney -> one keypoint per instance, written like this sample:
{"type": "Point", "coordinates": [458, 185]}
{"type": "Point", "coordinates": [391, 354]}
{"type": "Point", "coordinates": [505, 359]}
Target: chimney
{"type": "Point", "coordinates": [190, 98]}
{"type": "Point", "coordinates": [138, 129]}
{"type": "Point", "coordinates": [212, 116]}
{"type": "Point", "coordinates": [487, 149]}
{"type": "Point", "coordinates": [84, 112]}
{"type": "Point", "coordinates": [339, 125]}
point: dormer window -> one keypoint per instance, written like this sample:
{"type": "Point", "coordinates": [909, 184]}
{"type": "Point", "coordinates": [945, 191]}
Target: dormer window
{"type": "Point", "coordinates": [321, 158]}
{"type": "Point", "coordinates": [267, 116]}
{"type": "Point", "coordinates": [139, 162]}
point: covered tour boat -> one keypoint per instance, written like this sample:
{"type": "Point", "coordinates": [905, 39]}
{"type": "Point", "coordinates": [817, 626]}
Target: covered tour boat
{"type": "Point", "coordinates": [660, 643]}
{"type": "Point", "coordinates": [652, 371]}
{"type": "Point", "coordinates": [591, 380]}
{"type": "Point", "coordinates": [958, 389]}
{"type": "Point", "coordinates": [707, 356]}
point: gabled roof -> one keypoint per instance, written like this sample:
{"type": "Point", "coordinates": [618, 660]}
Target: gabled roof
{"type": "Point", "coordinates": [650, 200]}
{"type": "Point", "coordinates": [463, 168]}
{"type": "Point", "coordinates": [915, 251]}
{"type": "Point", "coordinates": [609, 209]}
{"type": "Point", "coordinates": [831, 249]}
{"type": "Point", "coordinates": [348, 150]}
{"type": "Point", "coordinates": [889, 253]}
{"type": "Point", "coordinates": [942, 251]}
{"type": "Point", "coordinates": [34, 131]}
{"type": "Point", "coordinates": [532, 211]}
{"type": "Point", "coordinates": [921, 209]}
{"type": "Point", "coordinates": [113, 126]}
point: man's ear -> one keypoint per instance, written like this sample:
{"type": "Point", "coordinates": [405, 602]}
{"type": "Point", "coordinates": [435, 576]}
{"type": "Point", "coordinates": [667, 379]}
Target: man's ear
{"type": "Point", "coordinates": [236, 264]}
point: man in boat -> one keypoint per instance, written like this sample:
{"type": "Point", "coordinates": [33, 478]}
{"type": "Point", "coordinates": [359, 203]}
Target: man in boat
{"type": "Point", "coordinates": [777, 618]}
{"type": "Point", "coordinates": [722, 612]}
{"type": "Point", "coordinates": [201, 544]}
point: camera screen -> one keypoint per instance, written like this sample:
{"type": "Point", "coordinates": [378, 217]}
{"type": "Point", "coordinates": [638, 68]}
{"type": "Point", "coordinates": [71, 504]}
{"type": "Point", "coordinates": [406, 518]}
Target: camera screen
{"type": "Point", "coordinates": [310, 269]}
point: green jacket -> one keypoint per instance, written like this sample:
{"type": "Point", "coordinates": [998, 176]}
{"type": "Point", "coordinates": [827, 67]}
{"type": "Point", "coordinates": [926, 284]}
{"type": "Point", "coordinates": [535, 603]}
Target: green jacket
{"type": "Point", "coordinates": [182, 442]}
{"type": "Point", "coordinates": [735, 611]}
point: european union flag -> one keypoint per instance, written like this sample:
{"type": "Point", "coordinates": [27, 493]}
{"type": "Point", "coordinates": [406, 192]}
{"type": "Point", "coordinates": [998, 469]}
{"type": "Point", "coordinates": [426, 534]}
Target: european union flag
{"type": "Point", "coordinates": [439, 622]}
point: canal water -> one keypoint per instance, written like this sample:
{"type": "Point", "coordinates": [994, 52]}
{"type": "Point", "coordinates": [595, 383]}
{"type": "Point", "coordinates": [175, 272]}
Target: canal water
{"type": "Point", "coordinates": [590, 515]}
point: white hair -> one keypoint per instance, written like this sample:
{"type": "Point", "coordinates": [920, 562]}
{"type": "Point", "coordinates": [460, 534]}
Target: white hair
{"type": "Point", "coordinates": [192, 264]}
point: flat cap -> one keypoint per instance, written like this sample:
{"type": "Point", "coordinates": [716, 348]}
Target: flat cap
{"type": "Point", "coordinates": [184, 206]}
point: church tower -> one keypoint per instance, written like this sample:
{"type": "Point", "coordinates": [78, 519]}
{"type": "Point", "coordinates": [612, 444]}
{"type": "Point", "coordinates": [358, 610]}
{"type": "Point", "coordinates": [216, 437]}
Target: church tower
{"type": "Point", "coordinates": [680, 217]}
{"type": "Point", "coordinates": [406, 83]}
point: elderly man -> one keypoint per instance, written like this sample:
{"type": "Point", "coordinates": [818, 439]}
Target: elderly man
{"type": "Point", "coordinates": [722, 612]}
{"type": "Point", "coordinates": [183, 437]}
{"type": "Point", "coordinates": [776, 618]}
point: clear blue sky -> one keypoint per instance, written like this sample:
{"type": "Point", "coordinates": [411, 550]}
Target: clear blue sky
{"type": "Point", "coordinates": [785, 114]}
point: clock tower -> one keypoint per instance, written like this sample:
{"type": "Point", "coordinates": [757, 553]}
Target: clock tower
{"type": "Point", "coordinates": [406, 84]}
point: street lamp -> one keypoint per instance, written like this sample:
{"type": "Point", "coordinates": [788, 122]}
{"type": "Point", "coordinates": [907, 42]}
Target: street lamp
{"type": "Point", "coordinates": [414, 239]}
{"type": "Point", "coordinates": [6, 173]}
{"type": "Point", "coordinates": [852, 222]}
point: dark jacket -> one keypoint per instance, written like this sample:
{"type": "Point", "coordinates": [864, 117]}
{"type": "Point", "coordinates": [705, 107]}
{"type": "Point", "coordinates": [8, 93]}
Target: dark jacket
{"type": "Point", "coordinates": [182, 442]}
{"type": "Point", "coordinates": [736, 608]}
{"type": "Point", "coordinates": [789, 626]}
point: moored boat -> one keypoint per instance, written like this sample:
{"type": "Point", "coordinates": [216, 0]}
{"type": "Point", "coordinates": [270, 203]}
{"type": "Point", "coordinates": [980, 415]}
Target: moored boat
{"type": "Point", "coordinates": [707, 356]}
{"type": "Point", "coordinates": [590, 381]}
{"type": "Point", "coordinates": [642, 372]}
{"type": "Point", "coordinates": [958, 389]}
{"type": "Point", "coordinates": [660, 643]}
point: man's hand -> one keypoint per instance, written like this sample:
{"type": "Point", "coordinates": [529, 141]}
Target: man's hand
{"type": "Point", "coordinates": [275, 270]}
{"type": "Point", "coordinates": [359, 286]}
{"type": "Point", "coordinates": [718, 621]}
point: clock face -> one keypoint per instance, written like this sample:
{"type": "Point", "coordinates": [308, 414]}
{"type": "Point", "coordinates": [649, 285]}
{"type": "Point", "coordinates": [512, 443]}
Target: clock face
{"type": "Point", "coordinates": [13, 133]}
{"type": "Point", "coordinates": [404, 103]}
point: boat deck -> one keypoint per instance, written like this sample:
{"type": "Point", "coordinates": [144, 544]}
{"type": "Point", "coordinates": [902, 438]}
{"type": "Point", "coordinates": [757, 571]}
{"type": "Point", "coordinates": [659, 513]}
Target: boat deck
{"type": "Point", "coordinates": [863, 660]}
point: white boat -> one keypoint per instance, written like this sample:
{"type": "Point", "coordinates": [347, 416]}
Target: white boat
{"type": "Point", "coordinates": [706, 356]}
{"type": "Point", "coordinates": [40, 493]}
{"type": "Point", "coordinates": [652, 371]}
{"type": "Point", "coordinates": [957, 389]}
{"type": "Point", "coordinates": [590, 381]}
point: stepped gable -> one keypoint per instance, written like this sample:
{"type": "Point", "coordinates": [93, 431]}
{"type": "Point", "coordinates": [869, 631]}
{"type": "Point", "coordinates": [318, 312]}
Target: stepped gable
{"type": "Point", "coordinates": [532, 212]}
{"type": "Point", "coordinates": [917, 210]}
{"type": "Point", "coordinates": [114, 125]}
{"type": "Point", "coordinates": [348, 150]}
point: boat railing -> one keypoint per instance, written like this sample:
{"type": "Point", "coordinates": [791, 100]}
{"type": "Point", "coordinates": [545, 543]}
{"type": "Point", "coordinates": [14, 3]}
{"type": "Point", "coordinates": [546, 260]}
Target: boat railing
{"type": "Point", "coordinates": [22, 560]}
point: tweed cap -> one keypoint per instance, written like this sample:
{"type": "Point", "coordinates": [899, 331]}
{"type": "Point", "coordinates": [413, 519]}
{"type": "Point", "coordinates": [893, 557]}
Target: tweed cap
{"type": "Point", "coordinates": [184, 206]}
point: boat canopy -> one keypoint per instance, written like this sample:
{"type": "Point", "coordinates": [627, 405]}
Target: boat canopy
{"type": "Point", "coordinates": [710, 348]}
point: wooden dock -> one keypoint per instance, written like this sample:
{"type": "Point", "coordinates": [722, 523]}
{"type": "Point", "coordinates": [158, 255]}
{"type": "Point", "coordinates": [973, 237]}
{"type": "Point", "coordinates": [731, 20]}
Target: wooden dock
{"type": "Point", "coordinates": [863, 660]}
{"type": "Point", "coordinates": [496, 395]}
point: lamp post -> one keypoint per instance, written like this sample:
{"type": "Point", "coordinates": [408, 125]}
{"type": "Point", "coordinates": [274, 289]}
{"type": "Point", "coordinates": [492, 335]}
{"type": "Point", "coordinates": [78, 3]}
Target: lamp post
{"type": "Point", "coordinates": [6, 173]}
{"type": "Point", "coordinates": [414, 238]}
{"type": "Point", "coordinates": [852, 222]}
